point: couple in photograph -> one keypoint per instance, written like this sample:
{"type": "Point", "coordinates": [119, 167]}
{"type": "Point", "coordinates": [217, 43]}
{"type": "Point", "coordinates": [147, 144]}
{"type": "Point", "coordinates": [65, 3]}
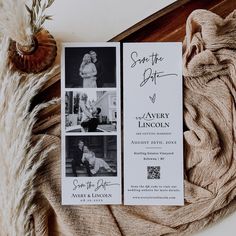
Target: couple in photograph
{"type": "Point", "coordinates": [90, 70]}
{"type": "Point", "coordinates": [90, 115]}
{"type": "Point", "coordinates": [87, 159]}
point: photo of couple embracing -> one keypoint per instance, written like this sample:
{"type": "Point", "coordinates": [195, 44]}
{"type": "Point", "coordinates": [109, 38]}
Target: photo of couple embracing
{"type": "Point", "coordinates": [90, 67]}
{"type": "Point", "coordinates": [90, 70]}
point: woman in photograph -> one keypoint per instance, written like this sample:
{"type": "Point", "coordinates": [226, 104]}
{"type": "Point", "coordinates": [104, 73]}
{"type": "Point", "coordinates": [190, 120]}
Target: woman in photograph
{"type": "Point", "coordinates": [86, 114]}
{"type": "Point", "coordinates": [88, 72]}
{"type": "Point", "coordinates": [94, 162]}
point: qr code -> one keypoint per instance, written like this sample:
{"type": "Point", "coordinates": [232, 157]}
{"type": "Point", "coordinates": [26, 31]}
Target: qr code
{"type": "Point", "coordinates": [153, 172]}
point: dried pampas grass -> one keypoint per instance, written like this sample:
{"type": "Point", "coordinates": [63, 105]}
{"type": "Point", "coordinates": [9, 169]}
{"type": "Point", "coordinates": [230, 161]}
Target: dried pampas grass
{"type": "Point", "coordinates": [19, 159]}
{"type": "Point", "coordinates": [15, 21]}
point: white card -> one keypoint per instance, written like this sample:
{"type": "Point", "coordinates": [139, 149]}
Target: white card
{"type": "Point", "coordinates": [153, 124]}
{"type": "Point", "coordinates": [91, 139]}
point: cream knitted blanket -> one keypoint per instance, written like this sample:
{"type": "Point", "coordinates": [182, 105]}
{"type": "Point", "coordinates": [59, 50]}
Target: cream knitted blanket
{"type": "Point", "coordinates": [30, 202]}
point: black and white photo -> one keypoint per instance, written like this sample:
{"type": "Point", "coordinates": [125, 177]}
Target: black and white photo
{"type": "Point", "coordinates": [91, 111]}
{"type": "Point", "coordinates": [90, 67]}
{"type": "Point", "coordinates": [89, 156]}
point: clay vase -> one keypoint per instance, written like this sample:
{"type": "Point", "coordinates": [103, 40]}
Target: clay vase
{"type": "Point", "coordinates": [37, 57]}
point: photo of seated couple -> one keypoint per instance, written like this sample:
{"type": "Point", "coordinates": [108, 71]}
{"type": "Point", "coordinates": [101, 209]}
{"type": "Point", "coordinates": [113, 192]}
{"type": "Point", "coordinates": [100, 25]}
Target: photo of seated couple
{"type": "Point", "coordinates": [90, 160]}
{"type": "Point", "coordinates": [90, 67]}
{"type": "Point", "coordinates": [93, 111]}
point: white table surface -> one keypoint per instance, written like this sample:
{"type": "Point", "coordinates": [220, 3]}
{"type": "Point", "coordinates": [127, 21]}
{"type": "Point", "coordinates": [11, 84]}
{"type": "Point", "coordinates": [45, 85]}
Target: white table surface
{"type": "Point", "coordinates": [100, 20]}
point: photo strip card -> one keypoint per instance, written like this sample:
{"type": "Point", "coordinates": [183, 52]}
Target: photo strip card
{"type": "Point", "coordinates": [91, 123]}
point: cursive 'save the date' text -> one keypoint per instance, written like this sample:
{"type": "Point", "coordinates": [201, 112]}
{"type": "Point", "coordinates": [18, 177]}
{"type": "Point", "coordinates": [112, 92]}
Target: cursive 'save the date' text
{"type": "Point", "coordinates": [97, 185]}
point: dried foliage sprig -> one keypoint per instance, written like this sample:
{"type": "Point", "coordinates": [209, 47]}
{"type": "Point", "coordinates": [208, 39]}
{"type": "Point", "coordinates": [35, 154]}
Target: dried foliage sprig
{"type": "Point", "coordinates": [37, 14]}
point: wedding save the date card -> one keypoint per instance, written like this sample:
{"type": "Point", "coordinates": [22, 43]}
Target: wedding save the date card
{"type": "Point", "coordinates": [91, 133]}
{"type": "Point", "coordinates": [153, 132]}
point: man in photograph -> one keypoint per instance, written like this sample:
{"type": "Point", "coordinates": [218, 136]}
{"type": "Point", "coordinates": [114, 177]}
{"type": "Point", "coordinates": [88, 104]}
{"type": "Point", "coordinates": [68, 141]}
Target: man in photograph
{"type": "Point", "coordinates": [98, 66]}
{"type": "Point", "coordinates": [91, 124]}
{"type": "Point", "coordinates": [77, 159]}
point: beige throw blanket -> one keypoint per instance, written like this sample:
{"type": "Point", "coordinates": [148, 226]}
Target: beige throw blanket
{"type": "Point", "coordinates": [209, 64]}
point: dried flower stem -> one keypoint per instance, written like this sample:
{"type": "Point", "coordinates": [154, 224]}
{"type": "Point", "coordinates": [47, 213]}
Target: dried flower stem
{"type": "Point", "coordinates": [37, 14]}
